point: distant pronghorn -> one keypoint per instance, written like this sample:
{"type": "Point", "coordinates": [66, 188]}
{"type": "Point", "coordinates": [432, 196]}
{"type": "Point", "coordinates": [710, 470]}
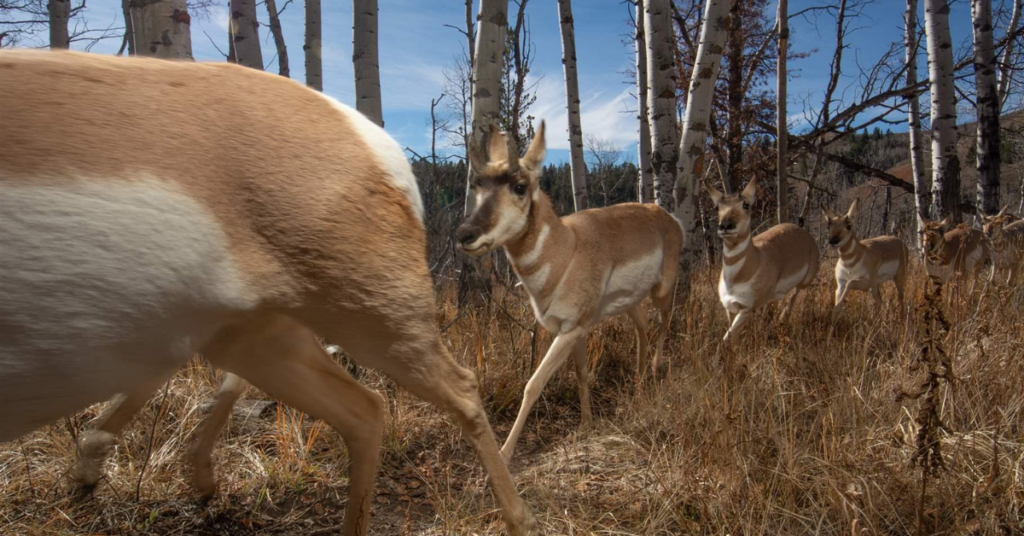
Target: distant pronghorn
{"type": "Point", "coordinates": [864, 264]}
{"type": "Point", "coordinates": [760, 269]}
{"type": "Point", "coordinates": [1006, 238]}
{"type": "Point", "coordinates": [578, 269]}
{"type": "Point", "coordinates": [960, 251]}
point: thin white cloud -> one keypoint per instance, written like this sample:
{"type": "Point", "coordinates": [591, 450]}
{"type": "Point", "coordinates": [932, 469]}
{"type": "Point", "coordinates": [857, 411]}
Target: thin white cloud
{"type": "Point", "coordinates": [602, 114]}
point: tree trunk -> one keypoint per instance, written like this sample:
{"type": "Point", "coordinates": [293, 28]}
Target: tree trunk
{"type": "Point", "coordinates": [922, 190]}
{"type": "Point", "coordinates": [699, 102]}
{"type": "Point", "coordinates": [661, 99]}
{"type": "Point", "coordinates": [275, 28]}
{"type": "Point", "coordinates": [1006, 62]}
{"type": "Point", "coordinates": [162, 28]}
{"type": "Point", "coordinates": [311, 46]}
{"type": "Point", "coordinates": [945, 161]}
{"type": "Point", "coordinates": [129, 33]}
{"type": "Point", "coordinates": [572, 97]}
{"type": "Point", "coordinates": [487, 66]}
{"type": "Point", "coordinates": [782, 115]}
{"type": "Point", "coordinates": [244, 32]}
{"type": "Point", "coordinates": [60, 12]}
{"type": "Point", "coordinates": [735, 92]}
{"type": "Point", "coordinates": [645, 187]}
{"type": "Point", "coordinates": [364, 59]}
{"type": "Point", "coordinates": [987, 107]}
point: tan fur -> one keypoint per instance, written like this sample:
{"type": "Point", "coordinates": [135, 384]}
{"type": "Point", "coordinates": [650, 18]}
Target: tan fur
{"type": "Point", "coordinates": [756, 270]}
{"type": "Point", "coordinates": [959, 252]}
{"type": "Point", "coordinates": [323, 240]}
{"type": "Point", "coordinates": [578, 269]}
{"type": "Point", "coordinates": [1005, 233]}
{"type": "Point", "coordinates": [864, 265]}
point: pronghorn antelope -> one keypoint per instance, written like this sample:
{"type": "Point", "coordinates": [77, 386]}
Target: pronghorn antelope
{"type": "Point", "coordinates": [1005, 233]}
{"type": "Point", "coordinates": [961, 251]}
{"type": "Point", "coordinates": [577, 270]}
{"type": "Point", "coordinates": [864, 264]}
{"type": "Point", "coordinates": [146, 214]}
{"type": "Point", "coordinates": [760, 269]}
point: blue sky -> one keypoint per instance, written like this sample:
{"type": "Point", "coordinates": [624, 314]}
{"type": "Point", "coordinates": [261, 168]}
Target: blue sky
{"type": "Point", "coordinates": [415, 47]}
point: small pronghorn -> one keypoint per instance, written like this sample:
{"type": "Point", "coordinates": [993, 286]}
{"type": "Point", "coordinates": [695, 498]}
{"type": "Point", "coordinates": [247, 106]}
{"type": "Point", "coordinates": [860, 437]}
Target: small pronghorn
{"type": "Point", "coordinates": [1005, 233]}
{"type": "Point", "coordinates": [147, 215]}
{"type": "Point", "coordinates": [578, 269]}
{"type": "Point", "coordinates": [864, 264]}
{"type": "Point", "coordinates": [961, 251]}
{"type": "Point", "coordinates": [760, 269]}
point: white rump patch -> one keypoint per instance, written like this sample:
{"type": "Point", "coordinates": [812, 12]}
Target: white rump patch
{"type": "Point", "coordinates": [386, 152]}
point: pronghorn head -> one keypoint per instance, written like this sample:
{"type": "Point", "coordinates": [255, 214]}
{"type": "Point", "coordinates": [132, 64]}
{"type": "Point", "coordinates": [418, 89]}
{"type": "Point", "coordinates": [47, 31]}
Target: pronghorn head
{"type": "Point", "coordinates": [993, 225]}
{"type": "Point", "coordinates": [933, 234]}
{"type": "Point", "coordinates": [840, 228]}
{"type": "Point", "coordinates": [505, 187]}
{"type": "Point", "coordinates": [734, 210]}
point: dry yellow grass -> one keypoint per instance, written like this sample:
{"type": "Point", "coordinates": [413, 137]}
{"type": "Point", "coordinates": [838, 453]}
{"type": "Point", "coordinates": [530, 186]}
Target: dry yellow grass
{"type": "Point", "coordinates": [798, 430]}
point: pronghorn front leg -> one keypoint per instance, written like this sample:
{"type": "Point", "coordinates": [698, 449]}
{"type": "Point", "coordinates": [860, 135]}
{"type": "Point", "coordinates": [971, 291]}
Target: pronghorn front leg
{"type": "Point", "coordinates": [742, 317]}
{"type": "Point", "coordinates": [840, 298]}
{"type": "Point", "coordinates": [579, 354]}
{"type": "Point", "coordinates": [556, 355]}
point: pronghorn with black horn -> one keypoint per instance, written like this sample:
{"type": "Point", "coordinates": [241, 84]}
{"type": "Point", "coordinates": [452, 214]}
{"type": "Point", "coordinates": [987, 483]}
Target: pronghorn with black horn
{"type": "Point", "coordinates": [577, 270]}
{"type": "Point", "coordinates": [1005, 233]}
{"type": "Point", "coordinates": [759, 269]}
{"type": "Point", "coordinates": [864, 264]}
{"type": "Point", "coordinates": [956, 252]}
{"type": "Point", "coordinates": [145, 216]}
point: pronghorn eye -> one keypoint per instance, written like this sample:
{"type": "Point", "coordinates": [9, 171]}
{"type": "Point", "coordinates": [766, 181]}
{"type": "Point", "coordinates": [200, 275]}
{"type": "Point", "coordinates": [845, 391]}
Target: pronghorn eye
{"type": "Point", "coordinates": [746, 206]}
{"type": "Point", "coordinates": [519, 189]}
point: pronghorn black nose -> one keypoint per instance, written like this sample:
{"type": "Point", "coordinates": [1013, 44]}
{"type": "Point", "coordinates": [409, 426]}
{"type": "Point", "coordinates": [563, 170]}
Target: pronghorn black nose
{"type": "Point", "coordinates": [467, 233]}
{"type": "Point", "coordinates": [834, 241]}
{"type": "Point", "coordinates": [727, 226]}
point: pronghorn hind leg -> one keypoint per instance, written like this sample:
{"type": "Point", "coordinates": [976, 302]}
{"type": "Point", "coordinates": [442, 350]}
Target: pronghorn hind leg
{"type": "Point", "coordinates": [284, 359]}
{"type": "Point", "coordinates": [202, 460]}
{"type": "Point", "coordinates": [579, 354]}
{"type": "Point", "coordinates": [636, 314]}
{"type": "Point", "coordinates": [665, 305]}
{"type": "Point", "coordinates": [789, 306]}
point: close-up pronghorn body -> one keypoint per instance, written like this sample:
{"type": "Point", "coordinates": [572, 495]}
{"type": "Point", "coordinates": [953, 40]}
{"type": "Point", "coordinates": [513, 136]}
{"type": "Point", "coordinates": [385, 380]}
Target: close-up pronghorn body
{"type": "Point", "coordinates": [864, 265]}
{"type": "Point", "coordinates": [763, 268]}
{"type": "Point", "coordinates": [959, 252]}
{"type": "Point", "coordinates": [1005, 233]}
{"type": "Point", "coordinates": [147, 215]}
{"type": "Point", "coordinates": [577, 270]}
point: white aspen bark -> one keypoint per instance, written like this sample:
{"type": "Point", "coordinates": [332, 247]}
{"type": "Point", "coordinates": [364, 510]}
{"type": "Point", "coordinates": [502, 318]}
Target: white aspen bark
{"type": "Point", "coordinates": [661, 99]}
{"type": "Point", "coordinates": [699, 102]}
{"type": "Point", "coordinates": [162, 29]}
{"type": "Point", "coordinates": [945, 161]}
{"type": "Point", "coordinates": [60, 12]}
{"type": "Point", "coordinates": [487, 66]}
{"type": "Point", "coordinates": [922, 189]}
{"type": "Point", "coordinates": [645, 184]}
{"type": "Point", "coordinates": [782, 182]}
{"type": "Point", "coordinates": [312, 46]}
{"type": "Point", "coordinates": [244, 32]}
{"type": "Point", "coordinates": [1006, 62]}
{"type": "Point", "coordinates": [572, 98]}
{"type": "Point", "coordinates": [987, 107]}
{"type": "Point", "coordinates": [365, 59]}
{"type": "Point", "coordinates": [282, 49]}
{"type": "Point", "coordinates": [129, 33]}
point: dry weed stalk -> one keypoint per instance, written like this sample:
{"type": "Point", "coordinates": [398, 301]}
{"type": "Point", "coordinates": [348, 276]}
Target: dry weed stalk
{"type": "Point", "coordinates": [938, 367]}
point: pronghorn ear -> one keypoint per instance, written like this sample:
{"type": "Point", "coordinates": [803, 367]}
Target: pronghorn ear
{"type": "Point", "coordinates": [497, 146]}
{"type": "Point", "coordinates": [477, 161]}
{"type": "Point", "coordinates": [1002, 212]}
{"type": "Point", "coordinates": [534, 157]}
{"type": "Point", "coordinates": [716, 196]}
{"type": "Point", "coordinates": [828, 213]}
{"type": "Point", "coordinates": [944, 223]}
{"type": "Point", "coordinates": [853, 208]}
{"type": "Point", "coordinates": [749, 194]}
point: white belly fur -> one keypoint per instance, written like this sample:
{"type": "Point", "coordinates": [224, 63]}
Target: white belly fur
{"type": "Point", "coordinates": [103, 286]}
{"type": "Point", "coordinates": [629, 283]}
{"type": "Point", "coordinates": [788, 282]}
